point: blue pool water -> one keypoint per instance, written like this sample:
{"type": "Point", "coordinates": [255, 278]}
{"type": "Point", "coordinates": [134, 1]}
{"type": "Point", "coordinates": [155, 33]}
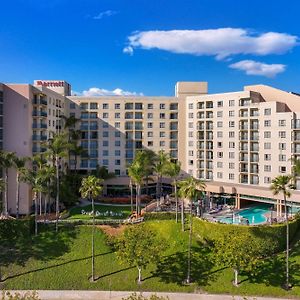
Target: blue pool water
{"type": "Point", "coordinates": [255, 215]}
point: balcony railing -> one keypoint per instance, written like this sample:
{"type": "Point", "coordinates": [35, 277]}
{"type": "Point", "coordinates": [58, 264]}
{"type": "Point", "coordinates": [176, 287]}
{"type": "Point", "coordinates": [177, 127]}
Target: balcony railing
{"type": "Point", "coordinates": [35, 125]}
{"type": "Point", "coordinates": [36, 113]}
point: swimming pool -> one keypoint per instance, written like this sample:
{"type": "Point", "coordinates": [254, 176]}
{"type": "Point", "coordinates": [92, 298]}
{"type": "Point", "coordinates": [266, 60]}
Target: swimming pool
{"type": "Point", "coordinates": [255, 215]}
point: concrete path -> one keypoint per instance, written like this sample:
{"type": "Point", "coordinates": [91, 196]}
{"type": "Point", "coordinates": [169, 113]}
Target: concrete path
{"type": "Point", "coordinates": [106, 295]}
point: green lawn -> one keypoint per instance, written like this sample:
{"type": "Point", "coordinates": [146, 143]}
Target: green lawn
{"type": "Point", "coordinates": [63, 262]}
{"type": "Point", "coordinates": [105, 212]}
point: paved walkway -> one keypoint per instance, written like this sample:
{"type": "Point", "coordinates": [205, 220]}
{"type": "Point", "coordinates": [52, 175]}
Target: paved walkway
{"type": "Point", "coordinates": [106, 295]}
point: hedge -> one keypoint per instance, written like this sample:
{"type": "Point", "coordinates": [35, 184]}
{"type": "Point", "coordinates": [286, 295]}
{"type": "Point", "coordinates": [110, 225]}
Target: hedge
{"type": "Point", "coordinates": [16, 228]}
{"type": "Point", "coordinates": [159, 216]}
{"type": "Point", "coordinates": [271, 237]}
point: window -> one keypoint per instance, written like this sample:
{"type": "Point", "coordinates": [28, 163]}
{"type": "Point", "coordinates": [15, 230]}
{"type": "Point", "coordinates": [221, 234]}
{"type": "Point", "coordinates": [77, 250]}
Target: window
{"type": "Point", "coordinates": [161, 125]}
{"type": "Point", "coordinates": [267, 123]}
{"type": "Point", "coordinates": [231, 113]}
{"type": "Point", "coordinates": [162, 115]}
{"type": "Point", "coordinates": [231, 155]}
{"type": "Point", "coordinates": [149, 125]}
{"type": "Point", "coordinates": [220, 103]}
{"type": "Point", "coordinates": [219, 124]}
{"type": "Point", "coordinates": [117, 162]}
{"type": "Point", "coordinates": [267, 168]}
{"type": "Point", "coordinates": [173, 106]}
{"type": "Point", "coordinates": [282, 157]}
{"type": "Point", "coordinates": [231, 144]}
{"type": "Point", "coordinates": [117, 133]}
{"type": "Point", "coordinates": [282, 123]}
{"type": "Point", "coordinates": [128, 105]}
{"type": "Point", "coordinates": [150, 115]}
{"type": "Point", "coordinates": [105, 115]}
{"type": "Point", "coordinates": [267, 134]}
{"type": "Point", "coordinates": [105, 125]}
{"type": "Point", "coordinates": [84, 105]}
{"type": "Point", "coordinates": [191, 143]}
{"type": "Point", "coordinates": [191, 153]}
{"type": "Point", "coordinates": [117, 115]}
{"type": "Point", "coordinates": [282, 169]}
{"type": "Point", "coordinates": [231, 176]}
{"type": "Point", "coordinates": [231, 134]}
{"type": "Point", "coordinates": [219, 164]}
{"type": "Point", "coordinates": [162, 134]}
{"type": "Point", "coordinates": [191, 124]}
{"type": "Point", "coordinates": [117, 105]}
{"type": "Point", "coordinates": [282, 146]}
{"type": "Point", "coordinates": [150, 144]}
{"type": "Point", "coordinates": [117, 143]}
{"type": "Point", "coordinates": [150, 134]}
{"type": "Point", "coordinates": [117, 152]}
{"type": "Point", "coordinates": [105, 133]}
{"type": "Point", "coordinates": [138, 115]}
{"type": "Point", "coordinates": [191, 115]}
{"type": "Point", "coordinates": [191, 105]}
{"type": "Point", "coordinates": [105, 152]}
{"type": "Point", "coordinates": [105, 143]}
{"type": "Point", "coordinates": [267, 180]}
{"type": "Point", "coordinates": [219, 144]}
{"type": "Point", "coordinates": [93, 105]}
{"type": "Point", "coordinates": [219, 154]}
{"type": "Point", "coordinates": [267, 157]}
{"type": "Point", "coordinates": [267, 145]}
{"type": "Point", "coordinates": [138, 106]}
{"type": "Point", "coordinates": [231, 102]}
{"type": "Point", "coordinates": [162, 106]}
{"type": "Point", "coordinates": [117, 125]}
{"type": "Point", "coordinates": [219, 114]}
{"type": "Point", "coordinates": [72, 105]}
{"type": "Point", "coordinates": [231, 123]}
{"type": "Point", "coordinates": [219, 134]}
{"type": "Point", "coordinates": [282, 134]}
{"type": "Point", "coordinates": [231, 165]}
{"type": "Point", "coordinates": [150, 105]}
{"type": "Point", "coordinates": [105, 106]}
{"type": "Point", "coordinates": [162, 143]}
{"type": "Point", "coordinates": [267, 111]}
{"type": "Point", "coordinates": [219, 175]}
{"type": "Point", "coordinates": [191, 134]}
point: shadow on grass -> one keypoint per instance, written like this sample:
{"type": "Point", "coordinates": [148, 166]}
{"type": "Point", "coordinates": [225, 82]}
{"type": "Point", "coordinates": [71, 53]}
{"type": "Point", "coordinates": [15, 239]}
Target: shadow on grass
{"type": "Point", "coordinates": [115, 272]}
{"type": "Point", "coordinates": [173, 268]}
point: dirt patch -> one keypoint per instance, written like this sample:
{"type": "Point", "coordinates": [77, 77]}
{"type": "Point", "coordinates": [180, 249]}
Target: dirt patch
{"type": "Point", "coordinates": [112, 230]}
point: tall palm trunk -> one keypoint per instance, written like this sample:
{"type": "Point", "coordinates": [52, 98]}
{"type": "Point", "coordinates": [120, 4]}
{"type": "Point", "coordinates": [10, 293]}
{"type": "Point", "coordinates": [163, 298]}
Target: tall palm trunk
{"type": "Point", "coordinates": [17, 194]}
{"type": "Point", "coordinates": [5, 206]}
{"type": "Point", "coordinates": [188, 279]}
{"type": "Point", "coordinates": [40, 203]}
{"type": "Point", "coordinates": [131, 195]}
{"type": "Point", "coordinates": [287, 243]}
{"type": "Point", "coordinates": [182, 215]}
{"type": "Point", "coordinates": [57, 191]}
{"type": "Point", "coordinates": [75, 165]}
{"type": "Point", "coordinates": [93, 241]}
{"type": "Point", "coordinates": [136, 200]}
{"type": "Point", "coordinates": [35, 213]}
{"type": "Point", "coordinates": [176, 198]}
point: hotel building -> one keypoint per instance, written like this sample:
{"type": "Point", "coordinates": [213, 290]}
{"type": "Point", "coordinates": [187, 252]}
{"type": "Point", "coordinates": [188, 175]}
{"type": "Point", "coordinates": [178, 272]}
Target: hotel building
{"type": "Point", "coordinates": [237, 142]}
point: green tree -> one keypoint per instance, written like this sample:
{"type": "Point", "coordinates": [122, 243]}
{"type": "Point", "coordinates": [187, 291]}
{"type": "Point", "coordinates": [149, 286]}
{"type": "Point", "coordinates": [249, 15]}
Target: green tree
{"type": "Point", "coordinates": [190, 188]}
{"type": "Point", "coordinates": [102, 172]}
{"type": "Point", "coordinates": [6, 162]}
{"type": "Point", "coordinates": [282, 184]}
{"type": "Point", "coordinates": [57, 148]}
{"type": "Point", "coordinates": [139, 246]}
{"type": "Point", "coordinates": [241, 252]}
{"type": "Point", "coordinates": [149, 158]}
{"type": "Point", "coordinates": [160, 169]}
{"type": "Point", "coordinates": [91, 188]}
{"type": "Point", "coordinates": [173, 170]}
{"type": "Point", "coordinates": [77, 151]}
{"type": "Point", "coordinates": [19, 164]}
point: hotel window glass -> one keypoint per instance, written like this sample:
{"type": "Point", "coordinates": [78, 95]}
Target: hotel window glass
{"type": "Point", "coordinates": [150, 115]}
{"type": "Point", "coordinates": [231, 103]}
{"type": "Point", "coordinates": [105, 152]}
{"type": "Point", "coordinates": [231, 176]}
{"type": "Point", "coordinates": [267, 168]}
{"type": "Point", "coordinates": [72, 105]}
{"type": "Point", "coordinates": [117, 105]}
{"type": "Point", "coordinates": [282, 123]}
{"type": "Point", "coordinates": [150, 125]}
{"type": "Point", "coordinates": [150, 134]}
{"type": "Point", "coordinates": [219, 164]}
{"type": "Point", "coordinates": [267, 180]}
{"type": "Point", "coordinates": [220, 103]}
{"type": "Point", "coordinates": [117, 152]}
{"type": "Point", "coordinates": [231, 155]}
{"type": "Point", "coordinates": [219, 134]}
{"type": "Point", "coordinates": [173, 106]}
{"type": "Point", "coordinates": [191, 124]}
{"type": "Point", "coordinates": [191, 153]}
{"type": "Point", "coordinates": [117, 162]}
{"type": "Point", "coordinates": [231, 165]}
{"type": "Point", "coordinates": [84, 115]}
{"type": "Point", "coordinates": [231, 134]}
{"type": "Point", "coordinates": [105, 106]}
{"type": "Point", "coordinates": [191, 143]}
{"type": "Point", "coordinates": [105, 162]}
{"type": "Point", "coordinates": [138, 105]}
{"type": "Point", "coordinates": [231, 144]}
{"type": "Point", "coordinates": [129, 115]}
{"type": "Point", "coordinates": [267, 157]}
{"type": "Point", "coordinates": [84, 105]}
{"type": "Point", "coordinates": [191, 115]}
{"type": "Point", "coordinates": [139, 115]}
{"type": "Point", "coordinates": [150, 143]}
{"type": "Point", "coordinates": [117, 125]}
{"type": "Point", "coordinates": [117, 115]}
{"type": "Point", "coordinates": [267, 145]}
{"type": "Point", "coordinates": [219, 175]}
{"type": "Point", "coordinates": [117, 134]}
{"type": "Point", "coordinates": [191, 134]}
{"type": "Point", "coordinates": [231, 113]}
{"type": "Point", "coordinates": [162, 106]}
{"type": "Point", "coordinates": [231, 123]}
{"type": "Point", "coordinates": [267, 134]}
{"type": "Point", "coordinates": [105, 143]}
{"type": "Point", "coordinates": [162, 115]}
{"type": "Point", "coordinates": [162, 134]}
{"type": "Point", "coordinates": [219, 145]}
{"type": "Point", "coordinates": [162, 143]}
{"type": "Point", "coordinates": [282, 134]}
{"type": "Point", "coordinates": [105, 134]}
{"type": "Point", "coordinates": [267, 123]}
{"type": "Point", "coordinates": [105, 125]}
{"type": "Point", "coordinates": [219, 124]}
{"type": "Point", "coordinates": [105, 115]}
{"type": "Point", "coordinates": [150, 105]}
{"type": "Point", "coordinates": [219, 114]}
{"type": "Point", "coordinates": [267, 111]}
{"type": "Point", "coordinates": [117, 143]}
{"type": "Point", "coordinates": [282, 157]}
{"type": "Point", "coordinates": [162, 125]}
{"type": "Point", "coordinates": [220, 154]}
{"type": "Point", "coordinates": [282, 146]}
{"type": "Point", "coordinates": [128, 105]}
{"type": "Point", "coordinates": [282, 169]}
{"type": "Point", "coordinates": [191, 105]}
{"type": "Point", "coordinates": [93, 105]}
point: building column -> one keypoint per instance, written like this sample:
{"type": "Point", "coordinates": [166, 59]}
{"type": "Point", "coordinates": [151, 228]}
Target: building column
{"type": "Point", "coordinates": [237, 201]}
{"type": "Point", "coordinates": [280, 207]}
{"type": "Point", "coordinates": [277, 208]}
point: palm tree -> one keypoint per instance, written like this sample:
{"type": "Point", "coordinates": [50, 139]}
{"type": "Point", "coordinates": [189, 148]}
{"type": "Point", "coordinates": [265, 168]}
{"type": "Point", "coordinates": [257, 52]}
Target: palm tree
{"type": "Point", "coordinates": [190, 188]}
{"type": "Point", "coordinates": [76, 151]}
{"type": "Point", "coordinates": [6, 162]}
{"type": "Point", "coordinates": [19, 164]}
{"type": "Point", "coordinates": [149, 158]}
{"type": "Point", "coordinates": [136, 171]}
{"type": "Point", "coordinates": [91, 188]}
{"type": "Point", "coordinates": [57, 148]}
{"type": "Point", "coordinates": [160, 168]}
{"type": "Point", "coordinates": [173, 170]}
{"type": "Point", "coordinates": [282, 184]}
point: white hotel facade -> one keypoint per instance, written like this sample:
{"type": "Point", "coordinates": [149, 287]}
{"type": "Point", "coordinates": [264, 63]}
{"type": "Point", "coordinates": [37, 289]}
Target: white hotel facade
{"type": "Point", "coordinates": [237, 142]}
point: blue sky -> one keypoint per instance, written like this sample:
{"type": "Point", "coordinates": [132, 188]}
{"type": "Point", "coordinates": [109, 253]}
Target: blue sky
{"type": "Point", "coordinates": [83, 42]}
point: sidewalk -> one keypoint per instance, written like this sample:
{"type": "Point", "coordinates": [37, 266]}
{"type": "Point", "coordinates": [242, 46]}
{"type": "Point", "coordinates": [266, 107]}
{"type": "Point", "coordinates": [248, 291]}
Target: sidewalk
{"type": "Point", "coordinates": [106, 295]}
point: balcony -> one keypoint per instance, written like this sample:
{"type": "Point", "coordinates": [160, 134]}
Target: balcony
{"type": "Point", "coordinates": [42, 101]}
{"type": "Point", "coordinates": [36, 113]}
{"type": "Point", "coordinates": [41, 125]}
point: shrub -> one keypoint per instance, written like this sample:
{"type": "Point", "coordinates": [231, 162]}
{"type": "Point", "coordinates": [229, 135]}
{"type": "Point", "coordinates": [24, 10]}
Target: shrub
{"type": "Point", "coordinates": [16, 228]}
{"type": "Point", "coordinates": [159, 216]}
{"type": "Point", "coordinates": [18, 296]}
{"type": "Point", "coordinates": [135, 296]}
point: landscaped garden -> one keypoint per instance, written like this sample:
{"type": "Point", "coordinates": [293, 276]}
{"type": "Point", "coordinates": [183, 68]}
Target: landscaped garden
{"type": "Point", "coordinates": [62, 261]}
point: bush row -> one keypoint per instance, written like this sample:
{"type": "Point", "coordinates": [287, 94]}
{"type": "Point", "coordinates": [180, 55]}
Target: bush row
{"type": "Point", "coordinates": [16, 228]}
{"type": "Point", "coordinates": [159, 216]}
{"type": "Point", "coordinates": [271, 237]}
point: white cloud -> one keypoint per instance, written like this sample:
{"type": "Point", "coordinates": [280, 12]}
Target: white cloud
{"type": "Point", "coordinates": [107, 13]}
{"type": "Point", "coordinates": [95, 92]}
{"type": "Point", "coordinates": [221, 43]}
{"type": "Point", "coordinates": [252, 67]}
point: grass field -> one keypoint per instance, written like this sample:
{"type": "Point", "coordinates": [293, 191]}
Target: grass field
{"type": "Point", "coordinates": [63, 262]}
{"type": "Point", "coordinates": [105, 212]}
